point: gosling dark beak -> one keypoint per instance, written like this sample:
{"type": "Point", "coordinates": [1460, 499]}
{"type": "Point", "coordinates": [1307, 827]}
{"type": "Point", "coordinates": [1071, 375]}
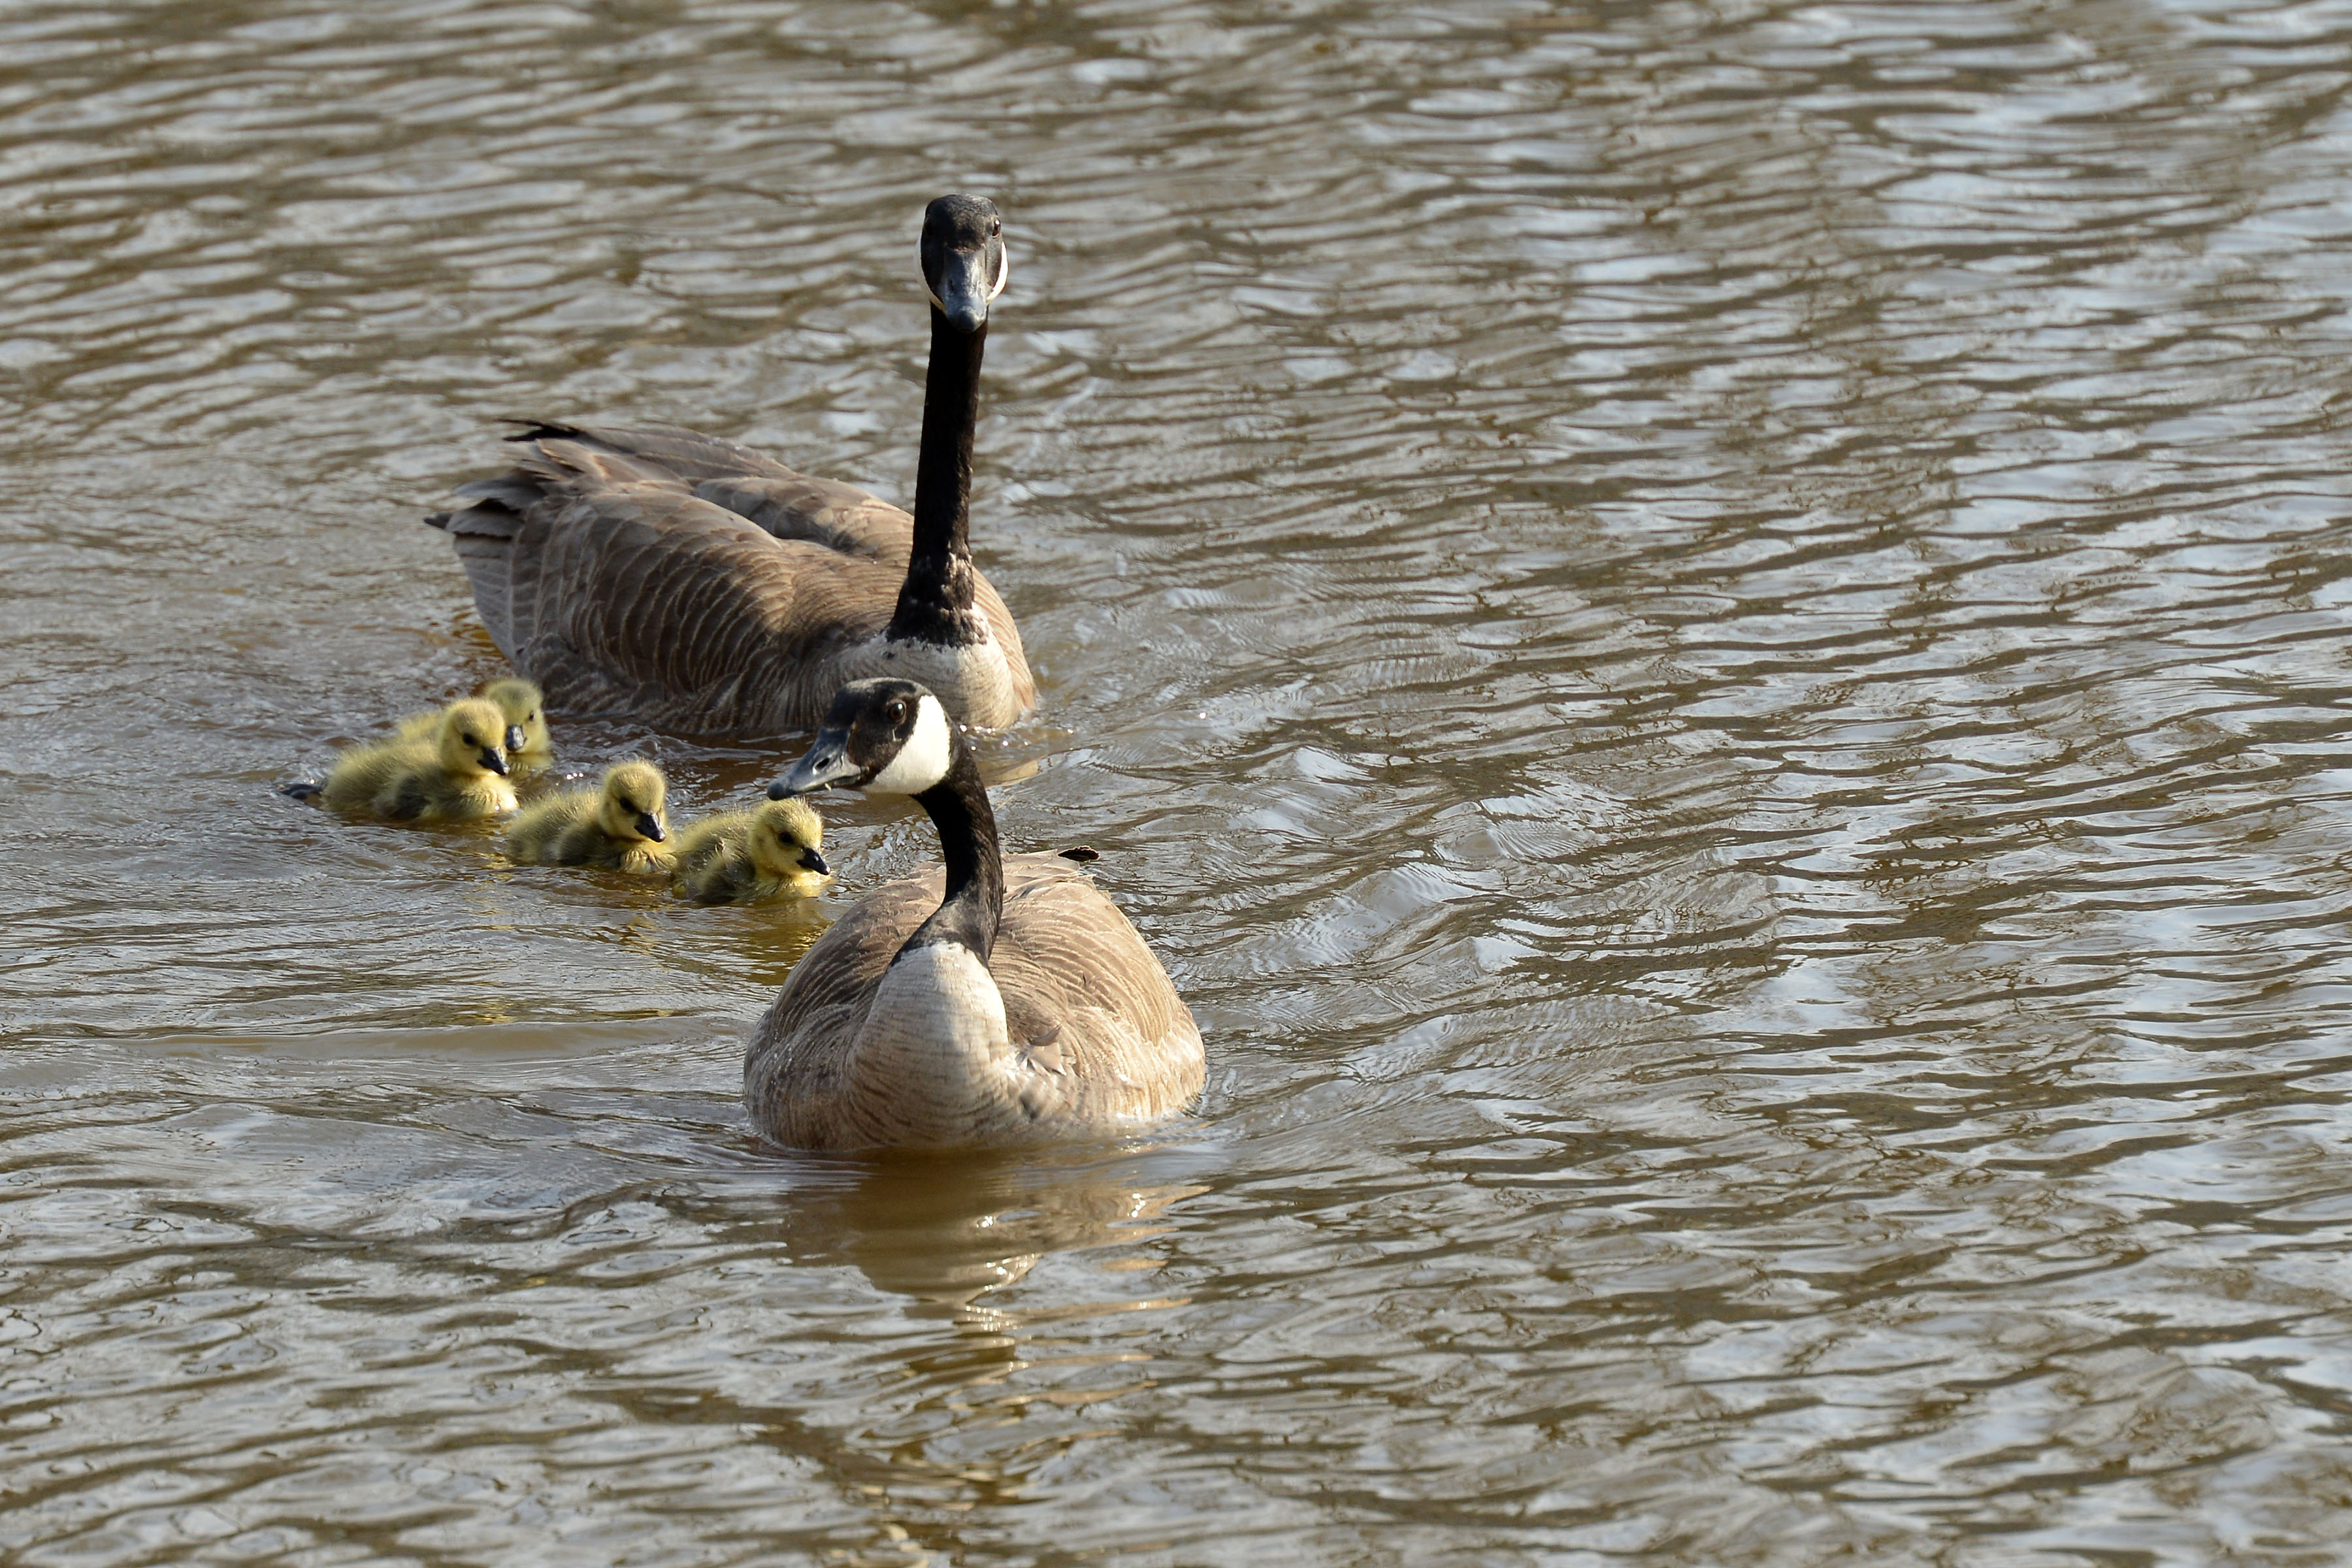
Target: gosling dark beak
{"type": "Point", "coordinates": [514, 737]}
{"type": "Point", "coordinates": [649, 826]}
{"type": "Point", "coordinates": [827, 762]}
{"type": "Point", "coordinates": [962, 296]}
{"type": "Point", "coordinates": [815, 862]}
{"type": "Point", "coordinates": [494, 760]}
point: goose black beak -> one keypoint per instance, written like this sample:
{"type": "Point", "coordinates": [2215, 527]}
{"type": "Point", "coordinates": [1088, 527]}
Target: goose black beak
{"type": "Point", "coordinates": [813, 861]}
{"type": "Point", "coordinates": [649, 826]}
{"type": "Point", "coordinates": [827, 762]}
{"type": "Point", "coordinates": [493, 760]}
{"type": "Point", "coordinates": [963, 288]}
{"type": "Point", "coordinates": [514, 737]}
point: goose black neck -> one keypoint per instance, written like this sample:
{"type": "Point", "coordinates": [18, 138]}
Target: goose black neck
{"type": "Point", "coordinates": [935, 602]}
{"type": "Point", "coordinates": [958, 806]}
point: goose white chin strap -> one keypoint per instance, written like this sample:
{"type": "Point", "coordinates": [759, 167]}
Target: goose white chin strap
{"type": "Point", "coordinates": [926, 757]}
{"type": "Point", "coordinates": [1003, 276]}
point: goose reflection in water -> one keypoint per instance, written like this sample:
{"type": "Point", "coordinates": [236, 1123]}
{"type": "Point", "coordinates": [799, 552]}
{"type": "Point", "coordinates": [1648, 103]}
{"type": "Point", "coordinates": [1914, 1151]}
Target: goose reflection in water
{"type": "Point", "coordinates": [946, 1230]}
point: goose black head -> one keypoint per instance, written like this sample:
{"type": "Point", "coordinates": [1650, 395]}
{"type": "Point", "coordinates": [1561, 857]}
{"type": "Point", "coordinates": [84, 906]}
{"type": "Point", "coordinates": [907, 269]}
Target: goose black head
{"type": "Point", "coordinates": [965, 264]}
{"type": "Point", "coordinates": [885, 735]}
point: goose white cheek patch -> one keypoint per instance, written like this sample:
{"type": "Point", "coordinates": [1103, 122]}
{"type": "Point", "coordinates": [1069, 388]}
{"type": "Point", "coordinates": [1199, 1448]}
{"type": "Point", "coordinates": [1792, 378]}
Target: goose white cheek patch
{"type": "Point", "coordinates": [923, 761]}
{"type": "Point", "coordinates": [1003, 276]}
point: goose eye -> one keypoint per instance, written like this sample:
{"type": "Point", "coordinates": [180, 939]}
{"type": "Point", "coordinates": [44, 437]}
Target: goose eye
{"type": "Point", "coordinates": [995, 227]}
{"type": "Point", "coordinates": [896, 712]}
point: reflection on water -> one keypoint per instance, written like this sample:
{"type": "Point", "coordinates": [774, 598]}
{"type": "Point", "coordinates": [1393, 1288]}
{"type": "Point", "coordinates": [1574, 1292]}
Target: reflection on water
{"type": "Point", "coordinates": [1710, 636]}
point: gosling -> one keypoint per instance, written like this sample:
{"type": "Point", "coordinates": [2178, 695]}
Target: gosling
{"type": "Point", "coordinates": [739, 856]}
{"type": "Point", "coordinates": [455, 773]}
{"type": "Point", "coordinates": [617, 824]}
{"type": "Point", "coordinates": [529, 746]}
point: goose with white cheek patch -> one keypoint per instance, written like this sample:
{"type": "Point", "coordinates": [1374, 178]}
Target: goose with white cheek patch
{"type": "Point", "coordinates": [705, 589]}
{"type": "Point", "coordinates": [1005, 1002]}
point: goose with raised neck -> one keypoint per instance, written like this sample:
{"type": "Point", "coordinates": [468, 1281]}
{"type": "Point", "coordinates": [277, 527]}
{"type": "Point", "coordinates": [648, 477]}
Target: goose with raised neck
{"type": "Point", "coordinates": [701, 587]}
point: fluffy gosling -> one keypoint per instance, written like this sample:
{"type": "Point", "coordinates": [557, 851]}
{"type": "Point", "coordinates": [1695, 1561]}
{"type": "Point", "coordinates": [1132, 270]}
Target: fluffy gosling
{"type": "Point", "coordinates": [617, 824]}
{"type": "Point", "coordinates": [739, 856]}
{"type": "Point", "coordinates": [529, 746]}
{"type": "Point", "coordinates": [455, 773]}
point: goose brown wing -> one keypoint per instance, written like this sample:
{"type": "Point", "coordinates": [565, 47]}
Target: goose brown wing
{"type": "Point", "coordinates": [684, 455]}
{"type": "Point", "coordinates": [822, 512]}
{"type": "Point", "coordinates": [1090, 997]}
{"type": "Point", "coordinates": [786, 504]}
{"type": "Point", "coordinates": [793, 1080]}
{"type": "Point", "coordinates": [625, 591]}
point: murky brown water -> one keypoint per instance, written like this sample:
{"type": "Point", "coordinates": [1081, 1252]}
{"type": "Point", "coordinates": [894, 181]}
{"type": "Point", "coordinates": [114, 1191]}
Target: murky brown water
{"type": "Point", "coordinates": [1712, 639]}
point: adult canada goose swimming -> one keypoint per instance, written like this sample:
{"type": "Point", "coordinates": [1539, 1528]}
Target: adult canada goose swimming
{"type": "Point", "coordinates": [617, 824]}
{"type": "Point", "coordinates": [528, 744]}
{"type": "Point", "coordinates": [705, 589]}
{"type": "Point", "coordinates": [1007, 1002]}
{"type": "Point", "coordinates": [455, 773]}
{"type": "Point", "coordinates": [739, 856]}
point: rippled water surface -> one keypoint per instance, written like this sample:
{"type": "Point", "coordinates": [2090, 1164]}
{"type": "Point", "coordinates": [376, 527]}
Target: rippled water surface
{"type": "Point", "coordinates": [1710, 637]}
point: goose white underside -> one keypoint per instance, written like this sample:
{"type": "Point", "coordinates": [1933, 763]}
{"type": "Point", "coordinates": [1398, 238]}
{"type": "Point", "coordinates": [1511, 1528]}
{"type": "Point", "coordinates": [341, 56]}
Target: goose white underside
{"type": "Point", "coordinates": [936, 1037]}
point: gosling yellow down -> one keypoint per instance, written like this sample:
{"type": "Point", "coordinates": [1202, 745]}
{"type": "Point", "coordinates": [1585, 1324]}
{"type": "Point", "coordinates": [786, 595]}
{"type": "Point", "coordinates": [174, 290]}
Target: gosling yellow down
{"type": "Point", "coordinates": [529, 746]}
{"type": "Point", "coordinates": [617, 824]}
{"type": "Point", "coordinates": [455, 773]}
{"type": "Point", "coordinates": [739, 856]}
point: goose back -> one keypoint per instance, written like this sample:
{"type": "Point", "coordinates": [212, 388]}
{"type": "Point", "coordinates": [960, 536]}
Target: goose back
{"type": "Point", "coordinates": [1095, 1034]}
{"type": "Point", "coordinates": [704, 588]}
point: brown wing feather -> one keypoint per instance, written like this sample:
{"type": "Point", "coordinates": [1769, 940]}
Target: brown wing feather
{"type": "Point", "coordinates": [1083, 995]}
{"type": "Point", "coordinates": [822, 512]}
{"type": "Point", "coordinates": [682, 454]}
{"type": "Point", "coordinates": [627, 592]}
{"type": "Point", "coordinates": [616, 567]}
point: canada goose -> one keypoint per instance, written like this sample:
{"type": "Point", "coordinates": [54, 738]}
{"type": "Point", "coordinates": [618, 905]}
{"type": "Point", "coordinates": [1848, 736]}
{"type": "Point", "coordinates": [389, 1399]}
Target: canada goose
{"type": "Point", "coordinates": [529, 746]}
{"type": "Point", "coordinates": [457, 772]}
{"type": "Point", "coordinates": [617, 824]}
{"type": "Point", "coordinates": [705, 589]}
{"type": "Point", "coordinates": [1005, 1002]}
{"type": "Point", "coordinates": [739, 856]}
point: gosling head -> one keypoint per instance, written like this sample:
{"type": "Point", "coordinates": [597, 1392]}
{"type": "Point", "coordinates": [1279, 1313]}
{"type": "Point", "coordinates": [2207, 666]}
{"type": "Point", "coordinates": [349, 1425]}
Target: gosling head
{"type": "Point", "coordinates": [526, 713]}
{"type": "Point", "coordinates": [965, 264]}
{"type": "Point", "coordinates": [472, 738]}
{"type": "Point", "coordinates": [786, 840]}
{"type": "Point", "coordinates": [634, 795]}
{"type": "Point", "coordinates": [886, 736]}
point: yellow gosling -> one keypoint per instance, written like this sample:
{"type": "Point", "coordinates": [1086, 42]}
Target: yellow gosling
{"type": "Point", "coordinates": [617, 824]}
{"type": "Point", "coordinates": [739, 856]}
{"type": "Point", "coordinates": [528, 744]}
{"type": "Point", "coordinates": [455, 773]}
